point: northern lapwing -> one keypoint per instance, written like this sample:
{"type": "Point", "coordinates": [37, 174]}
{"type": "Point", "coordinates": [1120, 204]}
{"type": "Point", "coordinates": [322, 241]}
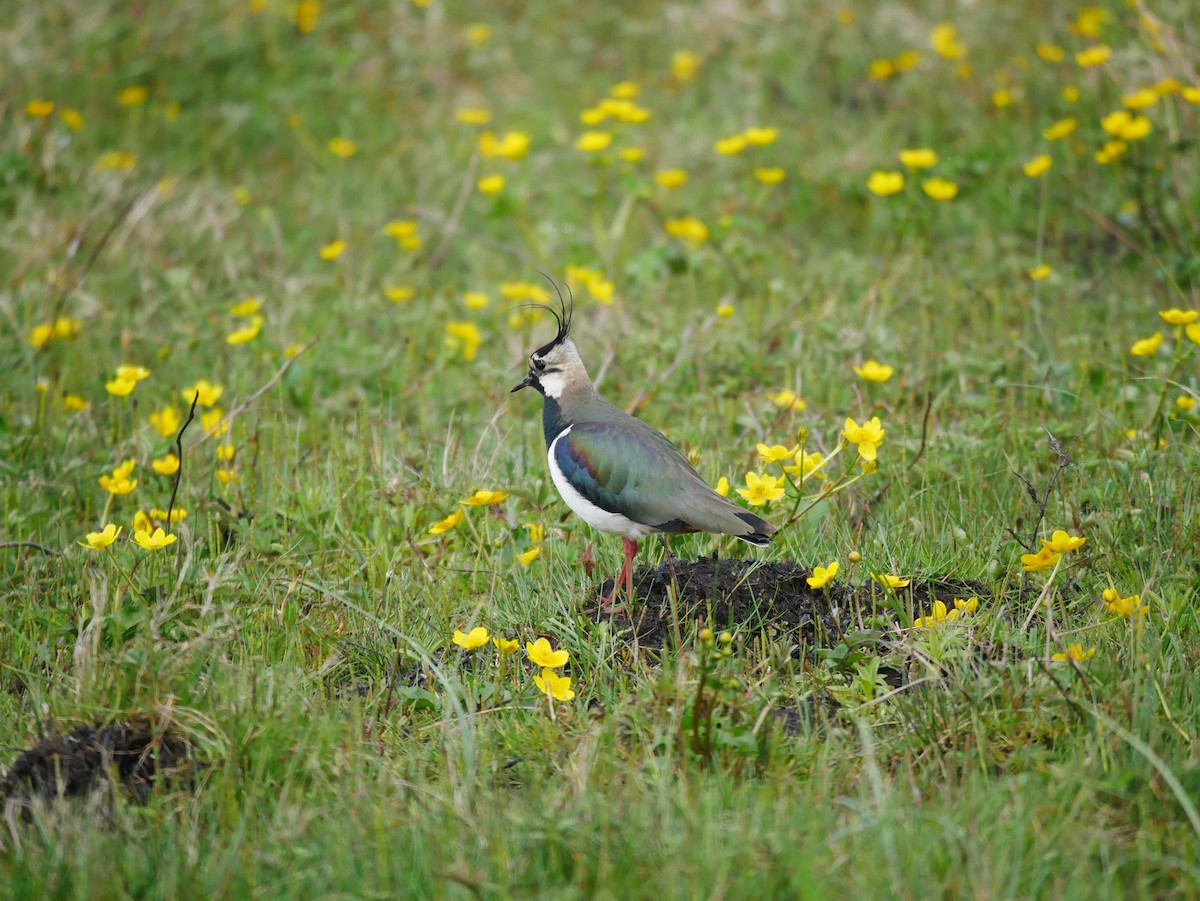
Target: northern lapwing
{"type": "Point", "coordinates": [618, 474]}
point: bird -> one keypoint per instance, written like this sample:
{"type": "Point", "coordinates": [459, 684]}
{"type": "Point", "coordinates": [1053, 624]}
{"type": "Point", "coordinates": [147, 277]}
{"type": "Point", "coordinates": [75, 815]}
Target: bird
{"type": "Point", "coordinates": [618, 474]}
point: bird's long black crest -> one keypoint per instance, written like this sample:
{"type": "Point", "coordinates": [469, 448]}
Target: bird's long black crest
{"type": "Point", "coordinates": [562, 316]}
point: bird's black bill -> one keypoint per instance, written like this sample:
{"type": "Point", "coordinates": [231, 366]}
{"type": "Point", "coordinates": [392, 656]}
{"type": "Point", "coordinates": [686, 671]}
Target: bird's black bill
{"type": "Point", "coordinates": [524, 383]}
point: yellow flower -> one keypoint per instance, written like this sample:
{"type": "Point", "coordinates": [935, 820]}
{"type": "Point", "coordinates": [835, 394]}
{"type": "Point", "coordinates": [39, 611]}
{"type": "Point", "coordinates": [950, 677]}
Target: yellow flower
{"type": "Point", "coordinates": [631, 154]}
{"type": "Point", "coordinates": [400, 229]}
{"type": "Point", "coordinates": [39, 109]}
{"type": "Point", "coordinates": [1037, 273]}
{"type": "Point", "coordinates": [246, 333]}
{"type": "Point", "coordinates": [478, 33]}
{"type": "Point", "coordinates": [1002, 98]}
{"type": "Point", "coordinates": [98, 541]}
{"type": "Point", "coordinates": [1183, 403]}
{"type": "Point", "coordinates": [776, 452]}
{"type": "Point", "coordinates": [944, 41]}
{"type": "Point", "coordinates": [73, 403]}
{"type": "Point", "coordinates": [601, 291]}
{"type": "Point", "coordinates": [119, 387]}
{"type": "Point", "coordinates": [71, 118]}
{"type": "Point", "coordinates": [1038, 166]}
{"type": "Point", "coordinates": [687, 228]}
{"type": "Point", "coordinates": [1093, 56]}
{"type": "Point", "coordinates": [1140, 100]}
{"type": "Point", "coordinates": [1193, 332]}
{"type": "Point", "coordinates": [469, 641]}
{"type": "Point", "coordinates": [1176, 316]}
{"type": "Point", "coordinates": [1063, 128]}
{"type": "Point", "coordinates": [890, 581]}
{"type": "Point", "coordinates": [867, 436]}
{"type": "Point", "coordinates": [787, 398]}
{"type": "Point", "coordinates": [1060, 542]}
{"type": "Point", "coordinates": [513, 145]}
{"type": "Point", "coordinates": [343, 148]}
{"type": "Point", "coordinates": [208, 393]}
{"type": "Point", "coordinates": [537, 532]}
{"type": "Point", "coordinates": [332, 250]}
{"type": "Point", "coordinates": [529, 556]}
{"type": "Point", "coordinates": [228, 476]}
{"type": "Point", "coordinates": [466, 335]}
{"type": "Point", "coordinates": [1043, 559]}
{"type": "Point", "coordinates": [881, 69]}
{"type": "Point", "coordinates": [247, 307]}
{"type": "Point", "coordinates": [490, 184]}
{"type": "Point", "coordinates": [556, 686]}
{"type": "Point", "coordinates": [41, 335]}
{"type": "Point", "coordinates": [473, 115]}
{"type": "Point", "coordinates": [1126, 607]}
{"type": "Point", "coordinates": [153, 542]}
{"type": "Point", "coordinates": [593, 141]}
{"type": "Point", "coordinates": [506, 645]}
{"type": "Point", "coordinates": [165, 466]}
{"type": "Point", "coordinates": [476, 300]}
{"type": "Point", "coordinates": [684, 65]}
{"type": "Point", "coordinates": [134, 95]}
{"type": "Point", "coordinates": [540, 653]}
{"type": "Point", "coordinates": [308, 13]}
{"type": "Point", "coordinates": [1075, 652]}
{"type": "Point", "coordinates": [761, 489]}
{"type": "Point", "coordinates": [722, 487]}
{"type": "Point", "coordinates": [906, 60]}
{"type": "Point", "coordinates": [213, 422]}
{"type": "Point", "coordinates": [885, 184]}
{"type": "Point", "coordinates": [806, 465]}
{"type": "Point", "coordinates": [970, 605]}
{"type": "Point", "coordinates": [445, 525]}
{"type": "Point", "coordinates": [725, 309]}
{"type": "Point", "coordinates": [1147, 347]}
{"type": "Point", "coordinates": [760, 137]}
{"type": "Point", "coordinates": [483, 498]}
{"type": "Point", "coordinates": [823, 575]}
{"type": "Point", "coordinates": [939, 614]}
{"type": "Point", "coordinates": [918, 158]}
{"type": "Point", "coordinates": [1110, 151]}
{"type": "Point", "coordinates": [873, 371]}
{"type": "Point", "coordinates": [166, 421]}
{"type": "Point", "coordinates": [730, 146]}
{"type": "Point", "coordinates": [769, 175]}
{"type": "Point", "coordinates": [399, 293]}
{"type": "Point", "coordinates": [1191, 94]}
{"type": "Point", "coordinates": [132, 373]}
{"type": "Point", "coordinates": [241, 195]}
{"type": "Point", "coordinates": [1051, 53]}
{"type": "Point", "coordinates": [178, 514]}
{"type": "Point", "coordinates": [141, 522]}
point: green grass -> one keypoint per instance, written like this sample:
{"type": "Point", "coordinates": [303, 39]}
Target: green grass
{"type": "Point", "coordinates": [299, 631]}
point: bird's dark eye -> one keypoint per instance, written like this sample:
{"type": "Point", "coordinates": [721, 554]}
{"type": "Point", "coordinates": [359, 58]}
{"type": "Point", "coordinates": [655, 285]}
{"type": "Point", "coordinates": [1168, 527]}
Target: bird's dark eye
{"type": "Point", "coordinates": [539, 365]}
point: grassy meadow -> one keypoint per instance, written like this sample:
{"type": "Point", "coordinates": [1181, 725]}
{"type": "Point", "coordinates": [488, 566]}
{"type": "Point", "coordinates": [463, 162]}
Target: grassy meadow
{"type": "Point", "coordinates": [308, 235]}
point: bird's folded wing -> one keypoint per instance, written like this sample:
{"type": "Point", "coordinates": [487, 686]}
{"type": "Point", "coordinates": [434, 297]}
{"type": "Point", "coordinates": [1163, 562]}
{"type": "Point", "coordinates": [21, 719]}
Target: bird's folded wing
{"type": "Point", "coordinates": [636, 472]}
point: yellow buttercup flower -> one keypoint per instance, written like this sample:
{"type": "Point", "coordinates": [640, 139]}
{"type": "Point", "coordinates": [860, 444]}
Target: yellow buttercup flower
{"type": "Point", "coordinates": [153, 541]}
{"type": "Point", "coordinates": [529, 555]}
{"type": "Point", "coordinates": [246, 333]}
{"type": "Point", "coordinates": [807, 465]}
{"type": "Point", "coordinates": [166, 421]}
{"type": "Point", "coordinates": [506, 645]}
{"type": "Point", "coordinates": [132, 373]}
{"type": "Point", "coordinates": [823, 575]}
{"type": "Point", "coordinates": [1075, 652]}
{"type": "Point", "coordinates": [761, 489]}
{"type": "Point", "coordinates": [889, 581]}
{"type": "Point", "coordinates": [178, 514]}
{"type": "Point", "coordinates": [39, 109]}
{"type": "Point", "coordinates": [556, 686]}
{"type": "Point", "coordinates": [760, 137]}
{"type": "Point", "coordinates": [134, 95]}
{"type": "Point", "coordinates": [208, 393]}
{"type": "Point", "coordinates": [120, 387]}
{"type": "Point", "coordinates": [476, 300]}
{"type": "Point", "coordinates": [1051, 53]}
{"type": "Point", "coordinates": [938, 615]}
{"type": "Point", "coordinates": [687, 228]}
{"type": "Point", "coordinates": [1093, 56]}
{"type": "Point", "coordinates": [939, 188]}
{"type": "Point", "coordinates": [1060, 542]}
{"type": "Point", "coordinates": [332, 250]}
{"type": "Point", "coordinates": [98, 541]}
{"type": "Point", "coordinates": [1043, 559]}
{"type": "Point", "coordinates": [71, 118]}
{"type": "Point", "coordinates": [1040, 272]}
{"type": "Point", "coordinates": [73, 403]}
{"type": "Point", "coordinates": [944, 41]}
{"type": "Point", "coordinates": [776, 452]}
{"type": "Point", "coordinates": [1147, 347]}
{"type": "Point", "coordinates": [885, 184]}
{"type": "Point", "coordinates": [722, 487]}
{"type": "Point", "coordinates": [399, 293]}
{"type": "Point", "coordinates": [542, 654]}
{"type": "Point", "coordinates": [684, 65]}
{"type": "Point", "coordinates": [769, 175]}
{"type": "Point", "coordinates": [631, 154]}
{"type": "Point", "coordinates": [343, 148]}
{"type": "Point", "coordinates": [881, 69]}
{"type": "Point", "coordinates": [490, 184]}
{"type": "Point", "coordinates": [1063, 128]}
{"type": "Point", "coordinates": [468, 115]}
{"type": "Point", "coordinates": [593, 141]}
{"type": "Point", "coordinates": [787, 398]}
{"type": "Point", "coordinates": [165, 466]}
{"type": "Point", "coordinates": [1038, 165]}
{"type": "Point", "coordinates": [469, 641]}
{"type": "Point", "coordinates": [867, 437]}
{"type": "Point", "coordinates": [466, 336]}
{"type": "Point", "coordinates": [141, 522]}
{"type": "Point", "coordinates": [1176, 316]}
{"type": "Point", "coordinates": [730, 146]}
{"type": "Point", "coordinates": [970, 605]}
{"type": "Point", "coordinates": [1193, 332]}
{"type": "Point", "coordinates": [1126, 607]}
{"type": "Point", "coordinates": [1140, 100]}
{"type": "Point", "coordinates": [484, 498]}
{"type": "Point", "coordinates": [247, 307]}
{"type": "Point", "coordinates": [918, 158]}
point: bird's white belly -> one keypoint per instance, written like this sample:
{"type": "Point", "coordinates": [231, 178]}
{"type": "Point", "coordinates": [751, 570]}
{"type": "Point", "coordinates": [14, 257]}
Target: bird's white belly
{"type": "Point", "coordinates": [603, 520]}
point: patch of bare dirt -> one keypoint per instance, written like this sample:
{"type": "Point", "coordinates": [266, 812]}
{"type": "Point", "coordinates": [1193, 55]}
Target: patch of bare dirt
{"type": "Point", "coordinates": [748, 595]}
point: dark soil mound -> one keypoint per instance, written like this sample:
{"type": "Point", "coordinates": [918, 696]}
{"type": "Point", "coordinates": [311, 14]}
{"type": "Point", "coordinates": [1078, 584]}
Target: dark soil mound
{"type": "Point", "coordinates": [748, 595]}
{"type": "Point", "coordinates": [130, 755]}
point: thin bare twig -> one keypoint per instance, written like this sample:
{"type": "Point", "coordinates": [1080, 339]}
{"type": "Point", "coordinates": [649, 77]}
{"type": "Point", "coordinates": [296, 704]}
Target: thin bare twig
{"type": "Point", "coordinates": [32, 545]}
{"type": "Point", "coordinates": [101, 243]}
{"type": "Point", "coordinates": [179, 451]}
{"type": "Point", "coordinates": [1042, 498]}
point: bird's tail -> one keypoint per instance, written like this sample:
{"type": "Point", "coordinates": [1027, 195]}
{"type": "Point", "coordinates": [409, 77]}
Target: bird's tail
{"type": "Point", "coordinates": [763, 530]}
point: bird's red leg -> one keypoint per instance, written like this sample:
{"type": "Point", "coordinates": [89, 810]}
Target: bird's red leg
{"type": "Point", "coordinates": [631, 547]}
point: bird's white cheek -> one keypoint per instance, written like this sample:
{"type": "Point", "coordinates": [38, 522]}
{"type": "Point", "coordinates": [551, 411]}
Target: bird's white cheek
{"type": "Point", "coordinates": [553, 384]}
